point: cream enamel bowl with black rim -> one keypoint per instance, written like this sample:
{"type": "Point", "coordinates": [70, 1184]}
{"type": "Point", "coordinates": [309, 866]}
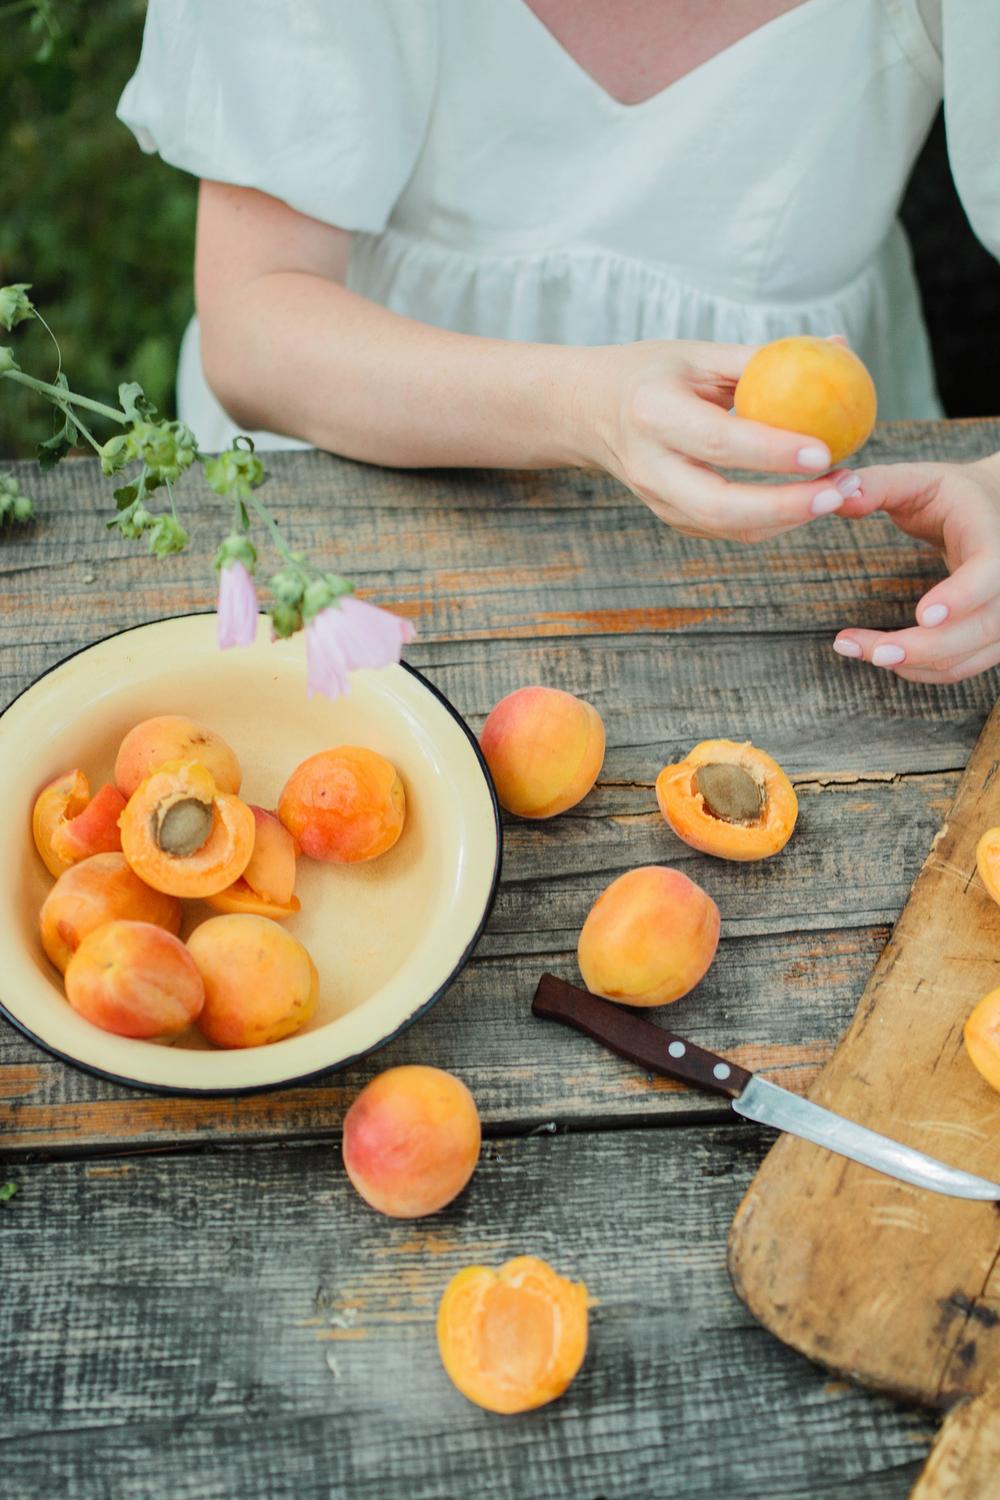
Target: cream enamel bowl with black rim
{"type": "Point", "coordinates": [387, 936]}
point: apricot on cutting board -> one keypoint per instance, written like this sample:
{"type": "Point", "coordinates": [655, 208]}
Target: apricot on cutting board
{"type": "Point", "coordinates": [728, 799]}
{"type": "Point", "coordinates": [544, 748]}
{"type": "Point", "coordinates": [135, 979]}
{"type": "Point", "coordinates": [988, 861]}
{"type": "Point", "coordinates": [69, 825]}
{"type": "Point", "coordinates": [411, 1141]}
{"type": "Point", "coordinates": [982, 1038]}
{"type": "Point", "coordinates": [182, 835]}
{"type": "Point", "coordinates": [809, 385]}
{"type": "Point", "coordinates": [649, 938]}
{"type": "Point", "coordinates": [170, 737]}
{"type": "Point", "coordinates": [513, 1339]}
{"type": "Point", "coordinates": [103, 888]}
{"type": "Point", "coordinates": [344, 805]}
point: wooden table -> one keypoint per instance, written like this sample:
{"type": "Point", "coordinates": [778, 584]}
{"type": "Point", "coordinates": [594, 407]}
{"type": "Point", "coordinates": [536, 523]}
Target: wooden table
{"type": "Point", "coordinates": [194, 1304]}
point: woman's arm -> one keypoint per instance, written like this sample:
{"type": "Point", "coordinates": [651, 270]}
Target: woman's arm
{"type": "Point", "coordinates": [287, 346]}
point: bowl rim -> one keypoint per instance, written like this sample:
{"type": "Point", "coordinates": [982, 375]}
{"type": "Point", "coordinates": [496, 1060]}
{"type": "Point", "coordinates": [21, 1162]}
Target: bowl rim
{"type": "Point", "coordinates": [242, 1090]}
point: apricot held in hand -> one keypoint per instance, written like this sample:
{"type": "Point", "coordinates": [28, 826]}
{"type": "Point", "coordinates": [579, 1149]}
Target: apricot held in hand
{"type": "Point", "coordinates": [182, 835]}
{"type": "Point", "coordinates": [155, 742]}
{"type": "Point", "coordinates": [344, 805]}
{"type": "Point", "coordinates": [812, 386]}
{"type": "Point", "coordinates": [69, 825]}
{"type": "Point", "coordinates": [729, 800]}
{"type": "Point", "coordinates": [512, 1339]}
{"type": "Point", "coordinates": [260, 984]}
{"type": "Point", "coordinates": [544, 749]}
{"type": "Point", "coordinates": [649, 938]}
{"type": "Point", "coordinates": [136, 980]}
{"type": "Point", "coordinates": [988, 861]}
{"type": "Point", "coordinates": [982, 1038]}
{"type": "Point", "coordinates": [411, 1141]}
{"type": "Point", "coordinates": [97, 890]}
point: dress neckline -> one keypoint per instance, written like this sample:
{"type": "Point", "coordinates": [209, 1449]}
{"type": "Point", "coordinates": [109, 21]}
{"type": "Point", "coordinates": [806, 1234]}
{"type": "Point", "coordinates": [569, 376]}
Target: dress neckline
{"type": "Point", "coordinates": [767, 29]}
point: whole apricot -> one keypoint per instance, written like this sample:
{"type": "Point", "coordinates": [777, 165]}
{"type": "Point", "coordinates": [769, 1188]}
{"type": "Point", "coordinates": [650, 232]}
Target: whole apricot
{"type": "Point", "coordinates": [103, 888]}
{"type": "Point", "coordinates": [344, 805]}
{"type": "Point", "coordinates": [728, 799]}
{"type": "Point", "coordinates": [812, 386]}
{"type": "Point", "coordinates": [982, 1038]}
{"type": "Point", "coordinates": [513, 1339]}
{"type": "Point", "coordinates": [68, 824]}
{"type": "Point", "coordinates": [260, 984]}
{"type": "Point", "coordinates": [649, 938]}
{"type": "Point", "coordinates": [170, 737]}
{"type": "Point", "coordinates": [988, 861]}
{"type": "Point", "coordinates": [182, 835]}
{"type": "Point", "coordinates": [544, 749]}
{"type": "Point", "coordinates": [411, 1141]}
{"type": "Point", "coordinates": [136, 980]}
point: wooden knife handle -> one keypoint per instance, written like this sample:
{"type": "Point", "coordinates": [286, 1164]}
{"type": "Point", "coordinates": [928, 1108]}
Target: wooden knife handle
{"type": "Point", "coordinates": [642, 1042]}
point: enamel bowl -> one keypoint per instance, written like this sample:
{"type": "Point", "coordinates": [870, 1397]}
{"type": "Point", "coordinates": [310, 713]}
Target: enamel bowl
{"type": "Point", "coordinates": [387, 937]}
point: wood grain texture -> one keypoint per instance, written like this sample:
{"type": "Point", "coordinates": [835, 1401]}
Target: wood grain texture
{"type": "Point", "coordinates": [895, 1286]}
{"type": "Point", "coordinates": [964, 1463]}
{"type": "Point", "coordinates": [235, 1324]}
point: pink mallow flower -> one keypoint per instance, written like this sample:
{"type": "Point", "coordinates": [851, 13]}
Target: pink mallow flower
{"type": "Point", "coordinates": [349, 635]}
{"type": "Point", "coordinates": [237, 616]}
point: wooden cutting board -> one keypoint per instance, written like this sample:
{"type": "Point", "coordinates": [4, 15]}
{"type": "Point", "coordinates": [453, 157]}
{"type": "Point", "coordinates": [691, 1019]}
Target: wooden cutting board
{"type": "Point", "coordinates": [889, 1284]}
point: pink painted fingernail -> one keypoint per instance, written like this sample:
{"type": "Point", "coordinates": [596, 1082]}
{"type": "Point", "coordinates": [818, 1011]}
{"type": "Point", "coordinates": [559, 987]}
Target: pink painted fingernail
{"type": "Point", "coordinates": [824, 501]}
{"type": "Point", "coordinates": [934, 614]}
{"type": "Point", "coordinates": [849, 484]}
{"type": "Point", "coordinates": [847, 648]}
{"type": "Point", "coordinates": [815, 456]}
{"type": "Point", "coordinates": [888, 656]}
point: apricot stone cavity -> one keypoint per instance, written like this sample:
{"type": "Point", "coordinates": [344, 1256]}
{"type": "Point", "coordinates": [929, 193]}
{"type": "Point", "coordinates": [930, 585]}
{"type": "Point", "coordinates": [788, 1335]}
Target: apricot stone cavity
{"type": "Point", "coordinates": [182, 828]}
{"type": "Point", "coordinates": [730, 793]}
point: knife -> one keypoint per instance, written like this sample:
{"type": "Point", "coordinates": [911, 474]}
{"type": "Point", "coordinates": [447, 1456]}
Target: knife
{"type": "Point", "coordinates": [661, 1051]}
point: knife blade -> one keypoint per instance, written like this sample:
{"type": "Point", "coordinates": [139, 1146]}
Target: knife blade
{"type": "Point", "coordinates": [755, 1098]}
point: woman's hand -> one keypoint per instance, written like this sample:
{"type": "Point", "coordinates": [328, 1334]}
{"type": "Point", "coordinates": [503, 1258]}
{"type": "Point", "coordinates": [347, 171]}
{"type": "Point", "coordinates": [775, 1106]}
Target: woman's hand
{"type": "Point", "coordinates": [955, 507]}
{"type": "Point", "coordinates": [660, 415]}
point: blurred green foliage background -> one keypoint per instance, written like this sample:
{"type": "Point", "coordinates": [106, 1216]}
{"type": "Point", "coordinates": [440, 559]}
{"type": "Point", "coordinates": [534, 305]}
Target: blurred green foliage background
{"type": "Point", "coordinates": [104, 233]}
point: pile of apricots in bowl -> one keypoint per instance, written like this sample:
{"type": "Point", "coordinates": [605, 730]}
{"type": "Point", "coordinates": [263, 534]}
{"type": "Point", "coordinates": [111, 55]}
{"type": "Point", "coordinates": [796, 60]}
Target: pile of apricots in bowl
{"type": "Point", "coordinates": [172, 827]}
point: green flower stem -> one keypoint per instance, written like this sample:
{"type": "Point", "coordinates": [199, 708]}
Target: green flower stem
{"type": "Point", "coordinates": [276, 537]}
{"type": "Point", "coordinates": [170, 494]}
{"type": "Point", "coordinates": [58, 395]}
{"type": "Point", "coordinates": [80, 426]}
{"type": "Point", "coordinates": [52, 336]}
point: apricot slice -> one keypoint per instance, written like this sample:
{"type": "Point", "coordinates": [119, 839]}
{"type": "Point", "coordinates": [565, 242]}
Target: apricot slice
{"type": "Point", "coordinates": [809, 385]}
{"type": "Point", "coordinates": [68, 824]}
{"type": "Point", "coordinates": [260, 984]}
{"type": "Point", "coordinates": [729, 800]}
{"type": "Point", "coordinates": [100, 889]}
{"type": "Point", "coordinates": [240, 897]}
{"type": "Point", "coordinates": [344, 805]}
{"type": "Point", "coordinates": [182, 835]}
{"type": "Point", "coordinates": [271, 871]}
{"type": "Point", "coordinates": [982, 1038]}
{"type": "Point", "coordinates": [170, 737]}
{"type": "Point", "coordinates": [988, 861]}
{"type": "Point", "coordinates": [411, 1141]}
{"type": "Point", "coordinates": [136, 980]}
{"type": "Point", "coordinates": [649, 938]}
{"type": "Point", "coordinates": [544, 749]}
{"type": "Point", "coordinates": [512, 1339]}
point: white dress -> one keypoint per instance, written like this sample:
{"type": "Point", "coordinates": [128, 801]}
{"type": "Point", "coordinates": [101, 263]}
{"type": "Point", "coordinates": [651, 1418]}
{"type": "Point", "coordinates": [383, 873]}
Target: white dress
{"type": "Point", "coordinates": [493, 187]}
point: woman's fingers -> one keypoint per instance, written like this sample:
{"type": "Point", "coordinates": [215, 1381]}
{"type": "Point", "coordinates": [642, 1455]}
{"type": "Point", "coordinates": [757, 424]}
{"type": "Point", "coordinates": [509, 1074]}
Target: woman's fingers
{"type": "Point", "coordinates": [969, 666]}
{"type": "Point", "coordinates": [938, 649]}
{"type": "Point", "coordinates": [974, 583]}
{"type": "Point", "coordinates": [704, 431]}
{"type": "Point", "coordinates": [696, 498]}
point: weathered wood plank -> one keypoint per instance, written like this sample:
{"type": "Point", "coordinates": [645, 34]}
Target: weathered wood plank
{"type": "Point", "coordinates": [239, 1323]}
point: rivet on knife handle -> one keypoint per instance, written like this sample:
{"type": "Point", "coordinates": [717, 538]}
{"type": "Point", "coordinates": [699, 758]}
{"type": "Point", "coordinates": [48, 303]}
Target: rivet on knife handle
{"type": "Point", "coordinates": [641, 1041]}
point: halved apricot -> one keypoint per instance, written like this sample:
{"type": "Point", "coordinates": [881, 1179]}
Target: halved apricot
{"type": "Point", "coordinates": [94, 891]}
{"type": "Point", "coordinates": [982, 1038]}
{"type": "Point", "coordinates": [344, 805]}
{"type": "Point", "coordinates": [182, 835]}
{"type": "Point", "coordinates": [988, 861]}
{"type": "Point", "coordinates": [169, 737]}
{"type": "Point", "coordinates": [512, 1339]}
{"type": "Point", "coordinates": [68, 824]}
{"type": "Point", "coordinates": [728, 799]}
{"type": "Point", "coordinates": [135, 979]}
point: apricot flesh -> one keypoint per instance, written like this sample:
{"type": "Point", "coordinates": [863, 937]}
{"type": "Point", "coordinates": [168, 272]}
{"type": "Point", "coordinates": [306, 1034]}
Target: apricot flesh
{"type": "Point", "coordinates": [812, 386]}
{"type": "Point", "coordinates": [68, 824]}
{"type": "Point", "coordinates": [988, 861]}
{"type": "Point", "coordinates": [171, 737]}
{"type": "Point", "coordinates": [649, 938]}
{"type": "Point", "coordinates": [544, 748]}
{"type": "Point", "coordinates": [260, 984]}
{"type": "Point", "coordinates": [514, 1339]}
{"type": "Point", "coordinates": [411, 1141]}
{"type": "Point", "coordinates": [103, 888]}
{"type": "Point", "coordinates": [271, 871]}
{"type": "Point", "coordinates": [344, 805]}
{"type": "Point", "coordinates": [729, 800]}
{"type": "Point", "coordinates": [135, 979]}
{"type": "Point", "coordinates": [182, 835]}
{"type": "Point", "coordinates": [241, 897]}
{"type": "Point", "coordinates": [982, 1038]}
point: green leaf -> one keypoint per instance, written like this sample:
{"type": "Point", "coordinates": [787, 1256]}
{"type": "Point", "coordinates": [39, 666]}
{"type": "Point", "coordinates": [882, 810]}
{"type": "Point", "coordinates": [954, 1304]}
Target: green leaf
{"type": "Point", "coordinates": [125, 497]}
{"type": "Point", "coordinates": [15, 305]}
{"type": "Point", "coordinates": [7, 1191]}
{"type": "Point", "coordinates": [132, 400]}
{"type": "Point", "coordinates": [58, 445]}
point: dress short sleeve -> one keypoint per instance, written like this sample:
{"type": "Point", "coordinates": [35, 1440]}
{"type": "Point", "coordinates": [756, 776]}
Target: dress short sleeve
{"type": "Point", "coordinates": [321, 103]}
